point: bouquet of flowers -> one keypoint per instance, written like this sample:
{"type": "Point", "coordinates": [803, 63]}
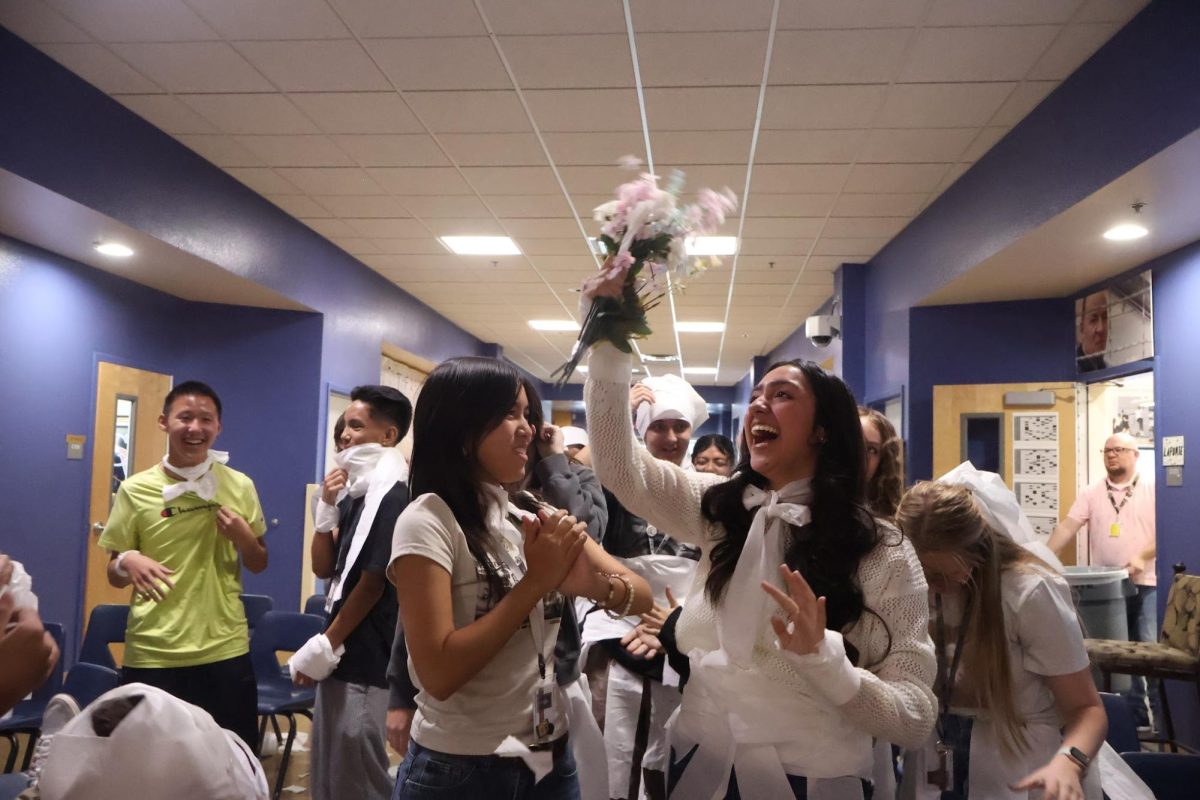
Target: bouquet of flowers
{"type": "Point", "coordinates": [643, 239]}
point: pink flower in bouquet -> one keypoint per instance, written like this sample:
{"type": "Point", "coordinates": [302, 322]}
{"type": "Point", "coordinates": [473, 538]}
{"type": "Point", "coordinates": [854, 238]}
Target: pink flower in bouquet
{"type": "Point", "coordinates": [621, 262]}
{"type": "Point", "coordinates": [715, 206]}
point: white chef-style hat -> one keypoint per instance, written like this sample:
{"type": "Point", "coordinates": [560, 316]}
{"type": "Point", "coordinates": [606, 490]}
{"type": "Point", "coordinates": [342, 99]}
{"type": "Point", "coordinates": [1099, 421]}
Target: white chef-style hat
{"type": "Point", "coordinates": [674, 398]}
{"type": "Point", "coordinates": [164, 747]}
{"type": "Point", "coordinates": [574, 436]}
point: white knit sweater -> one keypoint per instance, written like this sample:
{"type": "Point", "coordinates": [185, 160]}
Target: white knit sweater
{"type": "Point", "coordinates": [891, 698]}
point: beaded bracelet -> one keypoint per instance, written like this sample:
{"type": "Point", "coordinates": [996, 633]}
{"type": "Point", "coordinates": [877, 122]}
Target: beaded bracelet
{"type": "Point", "coordinates": [629, 593]}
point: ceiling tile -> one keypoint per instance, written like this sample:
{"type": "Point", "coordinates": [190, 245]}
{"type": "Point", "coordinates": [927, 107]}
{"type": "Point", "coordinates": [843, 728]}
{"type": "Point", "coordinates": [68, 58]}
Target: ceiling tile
{"type": "Point", "coordinates": [358, 112]}
{"type": "Point", "coordinates": [539, 17]}
{"type": "Point", "coordinates": [250, 113]}
{"type": "Point", "coordinates": [271, 19]}
{"type": "Point", "coordinates": [369, 206]}
{"type": "Point", "coordinates": [494, 149]}
{"type": "Point", "coordinates": [1024, 98]}
{"type": "Point", "coordinates": [700, 147]}
{"type": "Point", "coordinates": [985, 140]}
{"type": "Point", "coordinates": [1074, 45]}
{"type": "Point", "coordinates": [585, 109]}
{"type": "Point", "coordinates": [296, 151]}
{"type": "Point", "coordinates": [420, 18]}
{"type": "Point", "coordinates": [702, 59]}
{"type": "Point", "coordinates": [906, 178]}
{"type": "Point", "coordinates": [482, 226]}
{"type": "Point", "coordinates": [569, 62]}
{"type": "Point", "coordinates": [469, 112]}
{"type": "Point", "coordinates": [889, 145]}
{"type": "Point", "coordinates": [330, 180]}
{"type": "Point", "coordinates": [782, 227]}
{"type": "Point", "coordinates": [388, 228]}
{"type": "Point", "coordinates": [817, 14]}
{"type": "Point", "coordinates": [426, 245]}
{"type": "Point", "coordinates": [555, 247]}
{"type": "Point", "coordinates": [166, 113]}
{"type": "Point", "coordinates": [224, 151]}
{"type": "Point", "coordinates": [356, 246]}
{"type": "Point", "coordinates": [99, 67]}
{"type": "Point", "coordinates": [776, 247]}
{"type": "Point", "coordinates": [331, 228]}
{"type": "Point", "coordinates": [136, 20]}
{"type": "Point", "coordinates": [764, 204]}
{"type": "Point", "coordinates": [523, 229]}
{"type": "Point", "coordinates": [38, 23]}
{"type": "Point", "coordinates": [532, 206]}
{"type": "Point", "coordinates": [404, 181]}
{"type": "Point", "coordinates": [1120, 11]}
{"type": "Point", "coordinates": [188, 67]}
{"type": "Point", "coordinates": [298, 205]}
{"type": "Point", "coordinates": [431, 207]}
{"type": "Point", "coordinates": [265, 181]}
{"type": "Point", "coordinates": [315, 66]}
{"type": "Point", "coordinates": [511, 180]}
{"type": "Point", "coordinates": [462, 62]}
{"type": "Point", "coordinates": [745, 15]}
{"type": "Point", "coordinates": [864, 227]}
{"type": "Point", "coordinates": [808, 147]}
{"type": "Point", "coordinates": [828, 107]}
{"type": "Point", "coordinates": [392, 150]}
{"type": "Point", "coordinates": [837, 56]}
{"type": "Point", "coordinates": [942, 105]}
{"type": "Point", "coordinates": [952, 175]}
{"type": "Point", "coordinates": [594, 149]}
{"type": "Point", "coordinates": [1010, 12]}
{"type": "Point", "coordinates": [850, 248]}
{"type": "Point", "coordinates": [879, 205]}
{"type": "Point", "coordinates": [812, 178]}
{"type": "Point", "coordinates": [976, 54]}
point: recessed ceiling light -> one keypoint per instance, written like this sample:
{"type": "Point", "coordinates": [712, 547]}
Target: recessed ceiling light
{"type": "Point", "coordinates": [699, 370]}
{"type": "Point", "coordinates": [1125, 232]}
{"type": "Point", "coordinates": [700, 327]}
{"type": "Point", "coordinates": [711, 245]}
{"type": "Point", "coordinates": [597, 246]}
{"type": "Point", "coordinates": [480, 245]}
{"type": "Point", "coordinates": [554, 325]}
{"type": "Point", "coordinates": [113, 249]}
{"type": "Point", "coordinates": [581, 368]}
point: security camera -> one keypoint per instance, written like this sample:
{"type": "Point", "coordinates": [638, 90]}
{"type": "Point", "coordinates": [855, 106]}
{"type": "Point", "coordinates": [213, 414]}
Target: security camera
{"type": "Point", "coordinates": [822, 329]}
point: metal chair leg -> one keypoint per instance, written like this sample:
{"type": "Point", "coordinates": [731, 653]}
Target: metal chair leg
{"type": "Point", "coordinates": [1168, 725]}
{"type": "Point", "coordinates": [33, 740]}
{"type": "Point", "coordinates": [287, 755]}
{"type": "Point", "coordinates": [11, 763]}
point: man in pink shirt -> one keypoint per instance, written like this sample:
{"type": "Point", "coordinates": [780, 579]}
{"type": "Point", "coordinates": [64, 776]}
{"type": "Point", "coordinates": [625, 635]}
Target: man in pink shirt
{"type": "Point", "coordinates": [1119, 514]}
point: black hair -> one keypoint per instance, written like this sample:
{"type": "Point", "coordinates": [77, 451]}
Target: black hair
{"type": "Point", "coordinates": [828, 550]}
{"type": "Point", "coordinates": [385, 402]}
{"type": "Point", "coordinates": [338, 428]}
{"type": "Point", "coordinates": [717, 440]}
{"type": "Point", "coordinates": [194, 388]}
{"type": "Point", "coordinates": [461, 402]}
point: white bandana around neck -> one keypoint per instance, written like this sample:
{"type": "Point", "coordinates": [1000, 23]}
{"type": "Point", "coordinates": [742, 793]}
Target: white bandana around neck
{"type": "Point", "coordinates": [373, 470]}
{"type": "Point", "coordinates": [745, 610]}
{"type": "Point", "coordinates": [198, 479]}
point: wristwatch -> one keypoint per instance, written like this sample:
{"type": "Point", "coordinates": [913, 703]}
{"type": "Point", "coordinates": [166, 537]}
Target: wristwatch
{"type": "Point", "coordinates": [1076, 755]}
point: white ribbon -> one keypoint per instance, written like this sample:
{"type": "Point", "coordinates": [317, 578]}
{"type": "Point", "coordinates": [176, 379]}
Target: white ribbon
{"type": "Point", "coordinates": [198, 479]}
{"type": "Point", "coordinates": [316, 658]}
{"type": "Point", "coordinates": [388, 469]}
{"type": "Point", "coordinates": [744, 612]}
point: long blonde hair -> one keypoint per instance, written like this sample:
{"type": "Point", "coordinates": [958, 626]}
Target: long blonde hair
{"type": "Point", "coordinates": [940, 518]}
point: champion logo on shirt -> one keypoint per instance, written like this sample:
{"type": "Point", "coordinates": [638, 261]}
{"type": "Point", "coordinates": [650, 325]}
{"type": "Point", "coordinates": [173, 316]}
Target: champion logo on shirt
{"type": "Point", "coordinates": [174, 511]}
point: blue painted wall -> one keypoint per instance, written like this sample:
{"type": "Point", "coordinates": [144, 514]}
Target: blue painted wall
{"type": "Point", "coordinates": [1026, 341]}
{"type": "Point", "coordinates": [57, 318]}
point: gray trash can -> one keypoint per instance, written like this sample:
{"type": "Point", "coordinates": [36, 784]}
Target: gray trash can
{"type": "Point", "coordinates": [1100, 594]}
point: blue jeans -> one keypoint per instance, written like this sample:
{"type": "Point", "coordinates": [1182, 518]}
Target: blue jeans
{"type": "Point", "coordinates": [798, 783]}
{"type": "Point", "coordinates": [428, 773]}
{"type": "Point", "coordinates": [1142, 612]}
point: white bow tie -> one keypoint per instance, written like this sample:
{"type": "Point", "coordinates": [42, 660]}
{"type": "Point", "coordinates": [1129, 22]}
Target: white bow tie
{"type": "Point", "coordinates": [791, 510]}
{"type": "Point", "coordinates": [199, 479]}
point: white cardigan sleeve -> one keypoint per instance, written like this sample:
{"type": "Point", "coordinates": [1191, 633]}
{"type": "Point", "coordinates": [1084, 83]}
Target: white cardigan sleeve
{"type": "Point", "coordinates": [663, 494]}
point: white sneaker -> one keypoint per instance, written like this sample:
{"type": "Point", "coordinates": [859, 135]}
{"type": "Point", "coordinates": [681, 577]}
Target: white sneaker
{"type": "Point", "coordinates": [61, 709]}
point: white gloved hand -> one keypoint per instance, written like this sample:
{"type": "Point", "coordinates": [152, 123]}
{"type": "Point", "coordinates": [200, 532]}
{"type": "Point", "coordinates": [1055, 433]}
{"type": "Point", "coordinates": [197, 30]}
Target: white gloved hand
{"type": "Point", "coordinates": [20, 586]}
{"type": "Point", "coordinates": [325, 518]}
{"type": "Point", "coordinates": [317, 659]}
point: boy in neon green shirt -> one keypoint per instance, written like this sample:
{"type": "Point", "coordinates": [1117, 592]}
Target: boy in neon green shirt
{"type": "Point", "coordinates": [177, 533]}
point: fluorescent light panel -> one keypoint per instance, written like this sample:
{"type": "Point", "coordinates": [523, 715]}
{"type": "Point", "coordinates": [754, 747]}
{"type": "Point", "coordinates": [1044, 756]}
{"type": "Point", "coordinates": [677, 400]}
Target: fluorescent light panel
{"type": "Point", "coordinates": [553, 325]}
{"type": "Point", "coordinates": [699, 370]}
{"type": "Point", "coordinates": [1125, 232]}
{"type": "Point", "coordinates": [480, 245]}
{"type": "Point", "coordinates": [114, 250]}
{"type": "Point", "coordinates": [699, 327]}
{"type": "Point", "coordinates": [711, 245]}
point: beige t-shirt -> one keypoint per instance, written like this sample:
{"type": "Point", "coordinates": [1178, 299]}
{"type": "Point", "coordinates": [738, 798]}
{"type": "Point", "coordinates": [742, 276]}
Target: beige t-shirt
{"type": "Point", "coordinates": [498, 701]}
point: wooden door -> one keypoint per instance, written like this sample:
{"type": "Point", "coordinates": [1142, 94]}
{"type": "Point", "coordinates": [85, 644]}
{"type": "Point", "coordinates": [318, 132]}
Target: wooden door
{"type": "Point", "coordinates": [126, 439]}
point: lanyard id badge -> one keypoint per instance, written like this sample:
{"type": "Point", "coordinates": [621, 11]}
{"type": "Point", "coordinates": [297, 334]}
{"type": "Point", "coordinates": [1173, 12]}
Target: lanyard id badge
{"type": "Point", "coordinates": [1114, 530]}
{"type": "Point", "coordinates": [547, 702]}
{"type": "Point", "coordinates": [942, 776]}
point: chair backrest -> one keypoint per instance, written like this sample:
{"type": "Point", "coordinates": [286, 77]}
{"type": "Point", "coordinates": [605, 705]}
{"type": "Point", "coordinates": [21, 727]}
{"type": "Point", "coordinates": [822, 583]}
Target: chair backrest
{"type": "Point", "coordinates": [1170, 776]}
{"type": "Point", "coordinates": [1181, 624]}
{"type": "Point", "coordinates": [280, 631]}
{"type": "Point", "coordinates": [1122, 729]}
{"type": "Point", "coordinates": [256, 605]}
{"type": "Point", "coordinates": [86, 682]}
{"type": "Point", "coordinates": [315, 605]}
{"type": "Point", "coordinates": [53, 684]}
{"type": "Point", "coordinates": [105, 626]}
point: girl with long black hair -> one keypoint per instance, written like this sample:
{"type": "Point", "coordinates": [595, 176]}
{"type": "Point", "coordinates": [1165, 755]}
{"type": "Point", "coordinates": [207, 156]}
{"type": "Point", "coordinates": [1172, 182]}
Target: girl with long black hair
{"type": "Point", "coordinates": [783, 704]}
{"type": "Point", "coordinates": [481, 587]}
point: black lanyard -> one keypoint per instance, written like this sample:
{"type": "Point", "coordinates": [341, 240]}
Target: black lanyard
{"type": "Point", "coordinates": [945, 680]}
{"type": "Point", "coordinates": [1128, 494]}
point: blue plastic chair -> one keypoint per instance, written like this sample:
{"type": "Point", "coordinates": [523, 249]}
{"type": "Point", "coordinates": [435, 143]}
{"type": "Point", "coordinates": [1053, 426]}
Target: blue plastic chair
{"type": "Point", "coordinates": [106, 625]}
{"type": "Point", "coordinates": [315, 605]}
{"type": "Point", "coordinates": [86, 682]}
{"type": "Point", "coordinates": [27, 715]}
{"type": "Point", "coordinates": [1122, 729]}
{"type": "Point", "coordinates": [286, 632]}
{"type": "Point", "coordinates": [256, 605]}
{"type": "Point", "coordinates": [1170, 776]}
{"type": "Point", "coordinates": [12, 785]}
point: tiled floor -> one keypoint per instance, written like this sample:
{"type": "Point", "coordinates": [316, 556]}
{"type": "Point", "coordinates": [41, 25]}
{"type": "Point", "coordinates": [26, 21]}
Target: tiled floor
{"type": "Point", "coordinates": [296, 783]}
